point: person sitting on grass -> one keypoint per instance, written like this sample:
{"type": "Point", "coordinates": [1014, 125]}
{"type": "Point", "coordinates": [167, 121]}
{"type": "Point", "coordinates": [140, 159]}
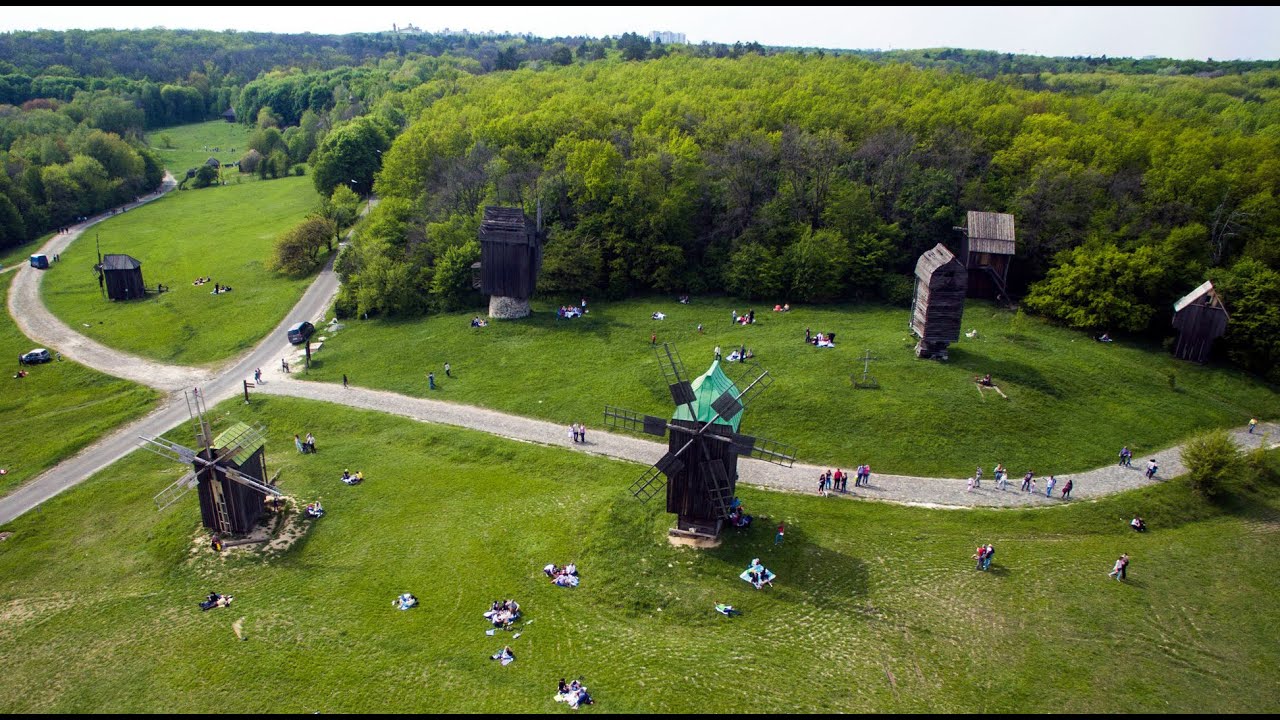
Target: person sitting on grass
{"type": "Point", "coordinates": [216, 600]}
{"type": "Point", "coordinates": [1138, 524]}
{"type": "Point", "coordinates": [985, 380]}
{"type": "Point", "coordinates": [347, 478]}
{"type": "Point", "coordinates": [314, 510]}
{"type": "Point", "coordinates": [405, 601]}
{"type": "Point", "coordinates": [505, 655]}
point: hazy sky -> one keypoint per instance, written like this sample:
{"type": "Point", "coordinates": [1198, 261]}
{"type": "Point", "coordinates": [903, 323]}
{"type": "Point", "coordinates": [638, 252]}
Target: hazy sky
{"type": "Point", "coordinates": [1176, 32]}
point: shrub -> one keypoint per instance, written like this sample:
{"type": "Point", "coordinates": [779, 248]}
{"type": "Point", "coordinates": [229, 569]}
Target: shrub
{"type": "Point", "coordinates": [1211, 458]}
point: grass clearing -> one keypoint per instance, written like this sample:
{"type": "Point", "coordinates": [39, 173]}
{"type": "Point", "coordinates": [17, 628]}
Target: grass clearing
{"type": "Point", "coordinates": [1072, 402]}
{"type": "Point", "coordinates": [225, 233]}
{"type": "Point", "coordinates": [877, 607]}
{"type": "Point", "coordinates": [194, 144]}
{"type": "Point", "coordinates": [57, 409]}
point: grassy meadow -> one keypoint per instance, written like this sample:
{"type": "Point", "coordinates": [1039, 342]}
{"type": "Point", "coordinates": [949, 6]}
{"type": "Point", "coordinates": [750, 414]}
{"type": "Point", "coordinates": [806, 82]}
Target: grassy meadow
{"type": "Point", "coordinates": [194, 144]}
{"type": "Point", "coordinates": [224, 233]}
{"type": "Point", "coordinates": [1071, 402]}
{"type": "Point", "coordinates": [57, 409]}
{"type": "Point", "coordinates": [877, 608]}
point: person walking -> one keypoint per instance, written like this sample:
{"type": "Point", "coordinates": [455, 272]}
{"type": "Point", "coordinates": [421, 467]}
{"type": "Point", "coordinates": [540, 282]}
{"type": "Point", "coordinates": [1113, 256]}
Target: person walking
{"type": "Point", "coordinates": [1026, 481]}
{"type": "Point", "coordinates": [573, 432]}
{"type": "Point", "coordinates": [1253, 423]}
{"type": "Point", "coordinates": [777, 539]}
{"type": "Point", "coordinates": [1119, 567]}
{"type": "Point", "coordinates": [986, 558]}
{"type": "Point", "coordinates": [448, 371]}
{"type": "Point", "coordinates": [699, 328]}
{"type": "Point", "coordinates": [310, 444]}
{"type": "Point", "coordinates": [431, 381]}
{"type": "Point", "coordinates": [1124, 566]}
{"type": "Point", "coordinates": [970, 488]}
{"type": "Point", "coordinates": [653, 339]}
{"type": "Point", "coordinates": [257, 376]}
{"type": "Point", "coordinates": [1151, 468]}
{"type": "Point", "coordinates": [1048, 487]}
{"type": "Point", "coordinates": [1032, 489]}
{"type": "Point", "coordinates": [822, 484]}
{"type": "Point", "coordinates": [977, 477]}
{"type": "Point", "coordinates": [717, 352]}
{"type": "Point", "coordinates": [1066, 490]}
{"type": "Point", "coordinates": [298, 441]}
{"type": "Point", "coordinates": [1002, 477]}
{"type": "Point", "coordinates": [344, 381]}
{"type": "Point", "coordinates": [582, 432]}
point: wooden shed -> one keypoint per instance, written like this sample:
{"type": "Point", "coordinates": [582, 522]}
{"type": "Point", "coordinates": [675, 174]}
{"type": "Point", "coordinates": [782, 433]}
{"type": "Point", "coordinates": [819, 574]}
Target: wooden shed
{"type": "Point", "coordinates": [229, 115]}
{"type": "Point", "coordinates": [122, 277]}
{"type": "Point", "coordinates": [1200, 318]}
{"type": "Point", "coordinates": [510, 259]}
{"type": "Point", "coordinates": [987, 251]}
{"type": "Point", "coordinates": [228, 506]}
{"type": "Point", "coordinates": [937, 308]}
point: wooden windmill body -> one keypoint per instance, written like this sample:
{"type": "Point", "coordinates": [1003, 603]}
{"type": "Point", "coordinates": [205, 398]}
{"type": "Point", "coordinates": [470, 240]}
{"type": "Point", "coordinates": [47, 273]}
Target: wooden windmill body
{"type": "Point", "coordinates": [699, 471]}
{"type": "Point", "coordinates": [228, 472]}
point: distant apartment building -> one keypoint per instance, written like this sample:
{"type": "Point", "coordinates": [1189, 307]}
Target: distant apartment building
{"type": "Point", "coordinates": [667, 38]}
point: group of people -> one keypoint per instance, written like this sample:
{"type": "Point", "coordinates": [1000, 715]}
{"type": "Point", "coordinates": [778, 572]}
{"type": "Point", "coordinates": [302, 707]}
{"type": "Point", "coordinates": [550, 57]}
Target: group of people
{"type": "Point", "coordinates": [747, 319]}
{"type": "Point", "coordinates": [578, 432]}
{"type": "Point", "coordinates": [741, 354]}
{"type": "Point", "coordinates": [201, 281]}
{"type": "Point", "coordinates": [984, 555]}
{"type": "Point", "coordinates": [478, 321]}
{"type": "Point", "coordinates": [573, 693]}
{"type": "Point", "coordinates": [1126, 457]}
{"type": "Point", "coordinates": [503, 613]}
{"type": "Point", "coordinates": [314, 510]}
{"type": "Point", "coordinates": [350, 479]}
{"type": "Point", "coordinates": [216, 600]}
{"type": "Point", "coordinates": [758, 575]}
{"type": "Point", "coordinates": [405, 601]}
{"type": "Point", "coordinates": [785, 307]}
{"type": "Point", "coordinates": [827, 340]}
{"type": "Point", "coordinates": [306, 447]}
{"type": "Point", "coordinates": [570, 311]}
{"type": "Point", "coordinates": [1121, 570]}
{"type": "Point", "coordinates": [839, 480]}
{"type": "Point", "coordinates": [566, 576]}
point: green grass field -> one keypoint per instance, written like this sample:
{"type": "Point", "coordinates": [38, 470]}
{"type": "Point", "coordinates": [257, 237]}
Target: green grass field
{"type": "Point", "coordinates": [57, 409]}
{"type": "Point", "coordinates": [877, 608]}
{"type": "Point", "coordinates": [21, 254]}
{"type": "Point", "coordinates": [194, 144]}
{"type": "Point", "coordinates": [225, 233]}
{"type": "Point", "coordinates": [1072, 402]}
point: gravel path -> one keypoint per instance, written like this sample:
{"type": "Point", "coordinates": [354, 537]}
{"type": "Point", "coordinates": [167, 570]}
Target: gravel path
{"type": "Point", "coordinates": [220, 384]}
{"type": "Point", "coordinates": [903, 489]}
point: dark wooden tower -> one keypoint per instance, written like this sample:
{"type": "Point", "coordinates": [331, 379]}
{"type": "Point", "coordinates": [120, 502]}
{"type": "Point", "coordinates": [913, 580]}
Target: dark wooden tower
{"type": "Point", "coordinates": [937, 308]}
{"type": "Point", "coordinates": [122, 277]}
{"type": "Point", "coordinates": [700, 466]}
{"type": "Point", "coordinates": [987, 251]}
{"type": "Point", "coordinates": [510, 259]}
{"type": "Point", "coordinates": [1200, 318]}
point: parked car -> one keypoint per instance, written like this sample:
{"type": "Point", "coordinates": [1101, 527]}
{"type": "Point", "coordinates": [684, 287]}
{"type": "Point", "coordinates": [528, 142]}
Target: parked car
{"type": "Point", "coordinates": [35, 357]}
{"type": "Point", "coordinates": [301, 332]}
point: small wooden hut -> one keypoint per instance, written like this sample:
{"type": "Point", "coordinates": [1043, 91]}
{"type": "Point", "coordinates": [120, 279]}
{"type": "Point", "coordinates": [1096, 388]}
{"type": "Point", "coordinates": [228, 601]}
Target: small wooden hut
{"type": "Point", "coordinates": [122, 277]}
{"type": "Point", "coordinates": [987, 250]}
{"type": "Point", "coordinates": [227, 506]}
{"type": "Point", "coordinates": [229, 115]}
{"type": "Point", "coordinates": [510, 259]}
{"type": "Point", "coordinates": [937, 308]}
{"type": "Point", "coordinates": [1200, 318]}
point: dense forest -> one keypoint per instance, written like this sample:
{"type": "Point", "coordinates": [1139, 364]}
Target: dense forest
{"type": "Point", "coordinates": [808, 175]}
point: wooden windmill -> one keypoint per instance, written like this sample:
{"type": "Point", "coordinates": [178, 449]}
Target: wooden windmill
{"type": "Point", "coordinates": [227, 470]}
{"type": "Point", "coordinates": [700, 466]}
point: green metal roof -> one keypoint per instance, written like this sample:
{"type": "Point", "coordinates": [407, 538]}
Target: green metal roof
{"type": "Point", "coordinates": [236, 435]}
{"type": "Point", "coordinates": [706, 388]}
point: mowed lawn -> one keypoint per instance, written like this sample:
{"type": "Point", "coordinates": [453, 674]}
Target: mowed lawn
{"type": "Point", "coordinates": [877, 608]}
{"type": "Point", "coordinates": [194, 144]}
{"type": "Point", "coordinates": [1071, 402]}
{"type": "Point", "coordinates": [57, 409]}
{"type": "Point", "coordinates": [224, 233]}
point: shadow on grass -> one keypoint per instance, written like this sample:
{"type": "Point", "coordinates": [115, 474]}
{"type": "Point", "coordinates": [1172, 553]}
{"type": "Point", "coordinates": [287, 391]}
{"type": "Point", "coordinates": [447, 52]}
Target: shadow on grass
{"type": "Point", "coordinates": [1004, 371]}
{"type": "Point", "coordinates": [821, 576]}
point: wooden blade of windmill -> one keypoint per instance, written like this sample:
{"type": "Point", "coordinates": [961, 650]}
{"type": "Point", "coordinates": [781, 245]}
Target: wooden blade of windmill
{"type": "Point", "coordinates": [778, 453]}
{"type": "Point", "coordinates": [620, 418]}
{"type": "Point", "coordinates": [168, 449]}
{"type": "Point", "coordinates": [673, 371]}
{"type": "Point", "coordinates": [177, 490]}
{"type": "Point", "coordinates": [250, 481]}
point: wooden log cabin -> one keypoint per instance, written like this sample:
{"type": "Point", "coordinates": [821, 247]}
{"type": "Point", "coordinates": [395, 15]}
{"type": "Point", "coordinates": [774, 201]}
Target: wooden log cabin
{"type": "Point", "coordinates": [987, 250]}
{"type": "Point", "coordinates": [937, 308]}
{"type": "Point", "coordinates": [1200, 318]}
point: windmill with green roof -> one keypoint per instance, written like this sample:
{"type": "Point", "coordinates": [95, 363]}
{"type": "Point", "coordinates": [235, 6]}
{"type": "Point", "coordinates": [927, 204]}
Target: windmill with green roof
{"type": "Point", "coordinates": [700, 468]}
{"type": "Point", "coordinates": [228, 471]}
